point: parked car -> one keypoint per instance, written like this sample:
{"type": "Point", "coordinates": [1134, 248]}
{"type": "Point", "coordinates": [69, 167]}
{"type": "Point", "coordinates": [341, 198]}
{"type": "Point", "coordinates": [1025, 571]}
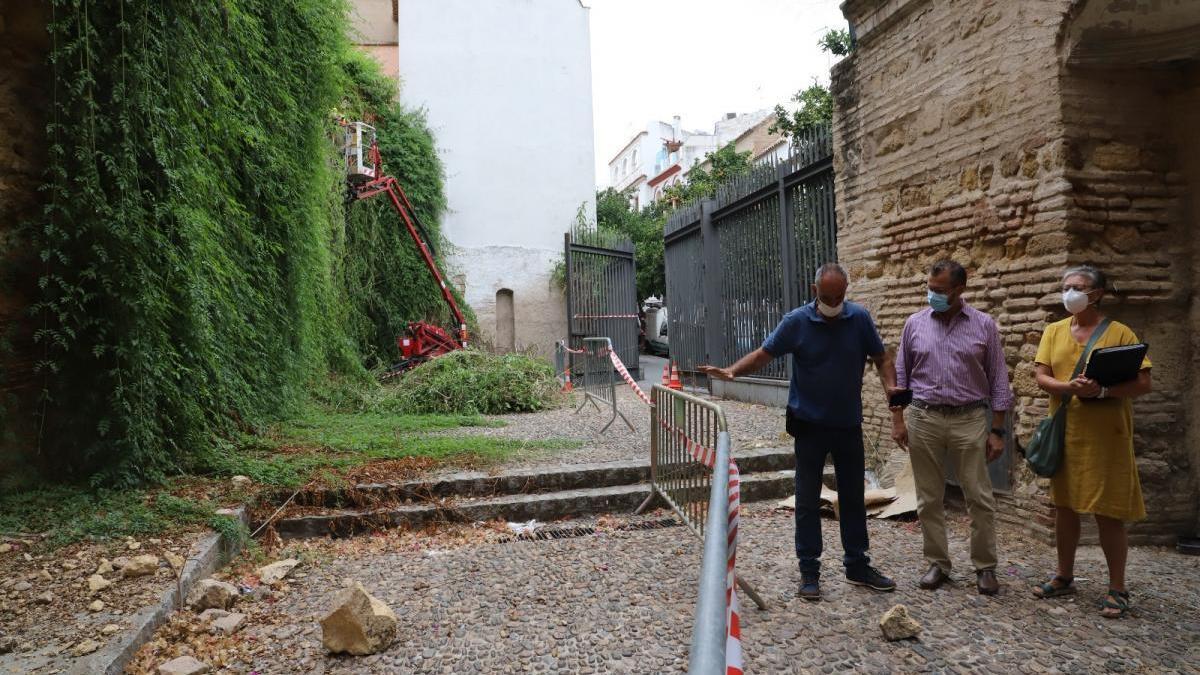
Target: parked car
{"type": "Point", "coordinates": [658, 345]}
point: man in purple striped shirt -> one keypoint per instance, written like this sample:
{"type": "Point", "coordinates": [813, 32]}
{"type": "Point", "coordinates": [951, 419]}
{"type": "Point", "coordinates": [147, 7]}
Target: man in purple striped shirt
{"type": "Point", "coordinates": [951, 358]}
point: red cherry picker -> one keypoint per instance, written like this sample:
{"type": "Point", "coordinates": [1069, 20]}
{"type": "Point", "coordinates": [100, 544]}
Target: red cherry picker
{"type": "Point", "coordinates": [364, 167]}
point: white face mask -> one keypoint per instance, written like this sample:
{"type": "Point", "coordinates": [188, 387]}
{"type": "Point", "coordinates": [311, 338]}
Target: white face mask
{"type": "Point", "coordinates": [830, 311]}
{"type": "Point", "coordinates": [1075, 301]}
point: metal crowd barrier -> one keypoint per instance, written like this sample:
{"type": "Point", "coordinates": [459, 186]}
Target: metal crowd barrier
{"type": "Point", "coordinates": [592, 373]}
{"type": "Point", "coordinates": [687, 486]}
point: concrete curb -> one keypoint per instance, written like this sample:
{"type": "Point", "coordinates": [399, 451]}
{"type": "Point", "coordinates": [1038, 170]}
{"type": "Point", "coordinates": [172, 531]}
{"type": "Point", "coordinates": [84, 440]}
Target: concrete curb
{"type": "Point", "coordinates": [206, 557]}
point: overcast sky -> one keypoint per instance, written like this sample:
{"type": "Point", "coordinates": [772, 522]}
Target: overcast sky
{"type": "Point", "coordinates": [653, 59]}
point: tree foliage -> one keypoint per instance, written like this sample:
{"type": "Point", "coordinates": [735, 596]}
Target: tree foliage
{"type": "Point", "coordinates": [836, 41]}
{"type": "Point", "coordinates": [724, 164]}
{"type": "Point", "coordinates": [201, 269]}
{"type": "Point", "coordinates": [815, 109]}
{"type": "Point", "coordinates": [645, 228]}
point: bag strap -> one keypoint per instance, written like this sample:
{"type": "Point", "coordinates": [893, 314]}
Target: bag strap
{"type": "Point", "coordinates": [1087, 349]}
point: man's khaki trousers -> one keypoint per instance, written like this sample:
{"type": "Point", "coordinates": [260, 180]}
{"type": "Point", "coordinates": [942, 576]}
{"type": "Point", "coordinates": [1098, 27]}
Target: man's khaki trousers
{"type": "Point", "coordinates": [932, 437]}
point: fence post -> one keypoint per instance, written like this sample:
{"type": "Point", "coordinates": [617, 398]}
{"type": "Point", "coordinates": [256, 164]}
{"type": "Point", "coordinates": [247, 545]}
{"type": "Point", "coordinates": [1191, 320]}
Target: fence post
{"type": "Point", "coordinates": [714, 333]}
{"type": "Point", "coordinates": [787, 244]}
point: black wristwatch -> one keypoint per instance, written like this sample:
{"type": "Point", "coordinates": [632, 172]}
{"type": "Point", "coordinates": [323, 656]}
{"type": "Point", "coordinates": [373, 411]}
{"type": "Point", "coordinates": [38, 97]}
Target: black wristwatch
{"type": "Point", "coordinates": [999, 432]}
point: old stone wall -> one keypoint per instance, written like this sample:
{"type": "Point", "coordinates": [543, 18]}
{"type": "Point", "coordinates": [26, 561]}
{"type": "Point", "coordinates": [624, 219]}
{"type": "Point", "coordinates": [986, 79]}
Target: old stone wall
{"type": "Point", "coordinates": [958, 134]}
{"type": "Point", "coordinates": [23, 108]}
{"type": "Point", "coordinates": [1130, 214]}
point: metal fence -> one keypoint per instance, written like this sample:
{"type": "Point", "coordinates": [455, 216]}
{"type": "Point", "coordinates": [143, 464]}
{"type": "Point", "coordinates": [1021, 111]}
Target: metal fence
{"type": "Point", "coordinates": [601, 291]}
{"type": "Point", "coordinates": [736, 263]}
{"type": "Point", "coordinates": [593, 375]}
{"type": "Point", "coordinates": [678, 419]}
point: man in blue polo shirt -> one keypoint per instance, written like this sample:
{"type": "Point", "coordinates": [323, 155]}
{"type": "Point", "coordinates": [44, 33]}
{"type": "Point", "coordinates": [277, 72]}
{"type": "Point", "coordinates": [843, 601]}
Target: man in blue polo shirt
{"type": "Point", "coordinates": [830, 341]}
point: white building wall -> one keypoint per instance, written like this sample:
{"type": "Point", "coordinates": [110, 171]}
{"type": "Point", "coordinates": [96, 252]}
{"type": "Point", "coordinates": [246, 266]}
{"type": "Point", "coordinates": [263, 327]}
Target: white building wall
{"type": "Point", "coordinates": [508, 91]}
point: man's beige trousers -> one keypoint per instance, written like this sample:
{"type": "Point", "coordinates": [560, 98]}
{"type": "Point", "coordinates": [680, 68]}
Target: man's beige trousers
{"type": "Point", "coordinates": [932, 437]}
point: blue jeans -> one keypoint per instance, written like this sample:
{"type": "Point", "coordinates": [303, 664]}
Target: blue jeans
{"type": "Point", "coordinates": [813, 444]}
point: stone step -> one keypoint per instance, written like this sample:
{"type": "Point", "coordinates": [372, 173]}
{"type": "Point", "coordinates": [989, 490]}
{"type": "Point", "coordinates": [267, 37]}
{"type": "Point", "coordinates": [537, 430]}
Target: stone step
{"type": "Point", "coordinates": [520, 481]}
{"type": "Point", "coordinates": [758, 486]}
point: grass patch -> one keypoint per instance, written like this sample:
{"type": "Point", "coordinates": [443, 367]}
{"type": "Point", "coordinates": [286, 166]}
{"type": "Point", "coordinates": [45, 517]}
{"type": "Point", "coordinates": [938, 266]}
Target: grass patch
{"type": "Point", "coordinates": [325, 443]}
{"type": "Point", "coordinates": [64, 514]}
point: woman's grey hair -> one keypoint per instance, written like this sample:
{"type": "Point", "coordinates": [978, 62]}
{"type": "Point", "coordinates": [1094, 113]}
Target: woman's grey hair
{"type": "Point", "coordinates": [831, 268]}
{"type": "Point", "coordinates": [1093, 275]}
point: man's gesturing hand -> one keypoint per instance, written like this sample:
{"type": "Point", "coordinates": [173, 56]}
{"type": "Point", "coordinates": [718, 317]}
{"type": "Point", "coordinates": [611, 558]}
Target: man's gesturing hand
{"type": "Point", "coordinates": [719, 373]}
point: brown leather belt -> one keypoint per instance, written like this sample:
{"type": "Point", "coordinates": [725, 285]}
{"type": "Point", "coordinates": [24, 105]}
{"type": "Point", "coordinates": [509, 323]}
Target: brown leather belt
{"type": "Point", "coordinates": [949, 409]}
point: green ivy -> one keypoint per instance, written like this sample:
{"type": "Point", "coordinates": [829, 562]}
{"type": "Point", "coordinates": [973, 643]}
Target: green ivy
{"type": "Point", "coordinates": [201, 267]}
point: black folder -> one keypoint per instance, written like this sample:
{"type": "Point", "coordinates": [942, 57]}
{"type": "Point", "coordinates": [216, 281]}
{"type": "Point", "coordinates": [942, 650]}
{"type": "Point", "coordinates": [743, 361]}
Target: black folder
{"type": "Point", "coordinates": [1115, 365]}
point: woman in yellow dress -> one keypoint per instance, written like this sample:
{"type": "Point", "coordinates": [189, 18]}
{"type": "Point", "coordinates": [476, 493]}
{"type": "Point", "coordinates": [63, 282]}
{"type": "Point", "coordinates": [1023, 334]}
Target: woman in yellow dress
{"type": "Point", "coordinates": [1098, 474]}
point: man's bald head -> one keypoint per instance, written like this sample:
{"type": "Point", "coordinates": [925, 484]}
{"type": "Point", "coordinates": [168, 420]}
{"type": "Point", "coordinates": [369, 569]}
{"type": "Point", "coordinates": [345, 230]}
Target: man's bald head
{"type": "Point", "coordinates": [831, 283]}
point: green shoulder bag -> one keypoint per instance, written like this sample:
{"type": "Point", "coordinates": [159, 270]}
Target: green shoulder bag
{"type": "Point", "coordinates": [1044, 452]}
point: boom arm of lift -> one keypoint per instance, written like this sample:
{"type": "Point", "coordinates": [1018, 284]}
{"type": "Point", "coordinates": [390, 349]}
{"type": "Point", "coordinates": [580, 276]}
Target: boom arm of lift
{"type": "Point", "coordinates": [388, 185]}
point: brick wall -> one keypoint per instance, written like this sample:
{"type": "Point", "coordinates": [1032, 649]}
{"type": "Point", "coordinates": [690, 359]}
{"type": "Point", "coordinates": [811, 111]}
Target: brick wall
{"type": "Point", "coordinates": [958, 134]}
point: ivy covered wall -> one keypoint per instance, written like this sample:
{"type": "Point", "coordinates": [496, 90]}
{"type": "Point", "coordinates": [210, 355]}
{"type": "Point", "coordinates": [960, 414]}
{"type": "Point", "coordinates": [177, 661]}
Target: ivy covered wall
{"type": "Point", "coordinates": [200, 268]}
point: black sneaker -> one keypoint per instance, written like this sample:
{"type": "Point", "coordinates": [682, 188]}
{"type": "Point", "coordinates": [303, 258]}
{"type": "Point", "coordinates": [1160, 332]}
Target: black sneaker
{"type": "Point", "coordinates": [871, 578]}
{"type": "Point", "coordinates": [810, 587]}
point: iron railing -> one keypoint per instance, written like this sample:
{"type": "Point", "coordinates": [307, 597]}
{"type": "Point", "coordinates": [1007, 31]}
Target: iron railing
{"type": "Point", "coordinates": [736, 263]}
{"type": "Point", "coordinates": [601, 291]}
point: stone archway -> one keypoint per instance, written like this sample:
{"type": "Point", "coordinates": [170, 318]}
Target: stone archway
{"type": "Point", "coordinates": [1130, 82]}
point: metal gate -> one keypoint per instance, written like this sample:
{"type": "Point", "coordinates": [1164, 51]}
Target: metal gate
{"type": "Point", "coordinates": [602, 292]}
{"type": "Point", "coordinates": [737, 263]}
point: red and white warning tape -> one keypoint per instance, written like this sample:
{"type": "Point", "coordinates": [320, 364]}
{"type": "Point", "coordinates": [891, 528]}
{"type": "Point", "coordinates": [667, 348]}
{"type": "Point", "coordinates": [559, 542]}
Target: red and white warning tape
{"type": "Point", "coordinates": [708, 457]}
{"type": "Point", "coordinates": [616, 361]}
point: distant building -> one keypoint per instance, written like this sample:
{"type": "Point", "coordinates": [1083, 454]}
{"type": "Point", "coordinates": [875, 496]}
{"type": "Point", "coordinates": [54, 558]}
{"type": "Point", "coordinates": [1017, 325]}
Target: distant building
{"type": "Point", "coordinates": [758, 141]}
{"type": "Point", "coordinates": [375, 30]}
{"type": "Point", "coordinates": [661, 156]}
{"type": "Point", "coordinates": [507, 87]}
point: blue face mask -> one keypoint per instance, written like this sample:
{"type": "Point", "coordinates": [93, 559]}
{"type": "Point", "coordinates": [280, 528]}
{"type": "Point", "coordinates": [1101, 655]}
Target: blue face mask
{"type": "Point", "coordinates": [940, 302]}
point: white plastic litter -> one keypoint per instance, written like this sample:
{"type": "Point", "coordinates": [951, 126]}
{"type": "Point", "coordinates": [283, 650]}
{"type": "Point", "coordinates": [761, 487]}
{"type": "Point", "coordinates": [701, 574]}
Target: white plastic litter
{"type": "Point", "coordinates": [525, 528]}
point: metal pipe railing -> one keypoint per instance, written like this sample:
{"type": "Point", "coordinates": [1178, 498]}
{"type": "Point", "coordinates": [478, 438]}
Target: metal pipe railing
{"type": "Point", "coordinates": [709, 632]}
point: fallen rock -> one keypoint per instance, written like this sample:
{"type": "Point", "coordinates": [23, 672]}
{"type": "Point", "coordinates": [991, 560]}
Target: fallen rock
{"type": "Point", "coordinates": [6, 548]}
{"type": "Point", "coordinates": [8, 643]}
{"type": "Point", "coordinates": [105, 567]}
{"type": "Point", "coordinates": [140, 566]}
{"type": "Point", "coordinates": [210, 615]}
{"type": "Point", "coordinates": [210, 593]}
{"type": "Point", "coordinates": [358, 624]}
{"type": "Point", "coordinates": [97, 606]}
{"type": "Point", "coordinates": [85, 647]}
{"type": "Point", "coordinates": [228, 624]}
{"type": "Point", "coordinates": [898, 625]}
{"type": "Point", "coordinates": [133, 546]}
{"type": "Point", "coordinates": [45, 598]}
{"type": "Point", "coordinates": [45, 575]}
{"type": "Point", "coordinates": [110, 628]}
{"type": "Point", "coordinates": [184, 665]}
{"type": "Point", "coordinates": [240, 481]}
{"type": "Point", "coordinates": [175, 560]}
{"type": "Point", "coordinates": [276, 571]}
{"type": "Point", "coordinates": [22, 586]}
{"type": "Point", "coordinates": [97, 583]}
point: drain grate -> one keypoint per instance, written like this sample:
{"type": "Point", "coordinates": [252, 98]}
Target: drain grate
{"type": "Point", "coordinates": [548, 534]}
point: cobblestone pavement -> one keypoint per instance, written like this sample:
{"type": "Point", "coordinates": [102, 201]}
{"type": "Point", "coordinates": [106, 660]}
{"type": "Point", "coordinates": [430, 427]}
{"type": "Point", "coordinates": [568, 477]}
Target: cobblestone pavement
{"type": "Point", "coordinates": [622, 602]}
